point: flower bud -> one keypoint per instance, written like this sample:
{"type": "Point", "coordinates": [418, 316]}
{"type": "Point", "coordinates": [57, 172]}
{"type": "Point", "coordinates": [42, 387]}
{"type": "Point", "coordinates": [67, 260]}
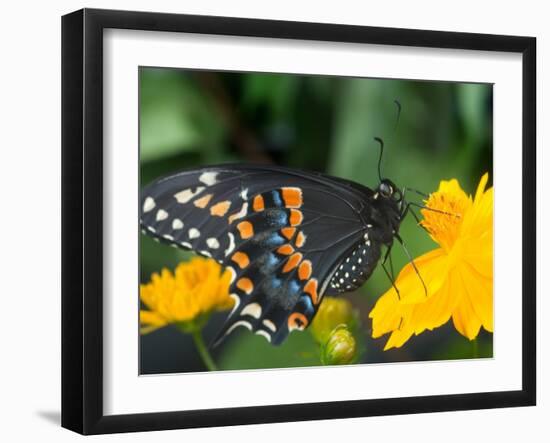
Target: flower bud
{"type": "Point", "coordinates": [340, 349]}
{"type": "Point", "coordinates": [332, 312]}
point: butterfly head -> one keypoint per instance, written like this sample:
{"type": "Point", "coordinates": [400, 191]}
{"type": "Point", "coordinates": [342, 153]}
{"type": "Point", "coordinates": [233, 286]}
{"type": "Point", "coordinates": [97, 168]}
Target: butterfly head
{"type": "Point", "coordinates": [388, 190]}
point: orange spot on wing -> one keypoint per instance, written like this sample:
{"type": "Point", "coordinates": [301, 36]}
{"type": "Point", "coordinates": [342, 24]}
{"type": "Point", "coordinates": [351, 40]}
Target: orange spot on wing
{"type": "Point", "coordinates": [245, 284]}
{"type": "Point", "coordinates": [304, 271]}
{"type": "Point", "coordinates": [311, 289]}
{"type": "Point", "coordinates": [241, 259]}
{"type": "Point", "coordinates": [288, 232]}
{"type": "Point", "coordinates": [292, 197]}
{"type": "Point", "coordinates": [285, 250]}
{"type": "Point", "coordinates": [203, 201]}
{"type": "Point", "coordinates": [245, 229]}
{"type": "Point", "coordinates": [296, 217]}
{"type": "Point", "coordinates": [258, 203]}
{"type": "Point", "coordinates": [300, 239]}
{"type": "Point", "coordinates": [292, 262]}
{"type": "Point", "coordinates": [297, 320]}
{"type": "Point", "coordinates": [220, 209]}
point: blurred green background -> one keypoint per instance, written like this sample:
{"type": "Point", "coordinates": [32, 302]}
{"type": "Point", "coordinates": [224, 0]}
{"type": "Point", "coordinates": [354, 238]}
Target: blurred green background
{"type": "Point", "coordinates": [192, 118]}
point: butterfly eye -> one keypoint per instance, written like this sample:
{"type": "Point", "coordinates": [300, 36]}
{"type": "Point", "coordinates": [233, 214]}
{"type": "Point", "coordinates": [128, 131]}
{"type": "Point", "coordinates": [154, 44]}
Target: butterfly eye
{"type": "Point", "coordinates": [385, 189]}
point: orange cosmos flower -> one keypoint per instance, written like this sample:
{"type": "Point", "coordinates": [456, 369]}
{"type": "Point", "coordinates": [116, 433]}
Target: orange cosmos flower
{"type": "Point", "coordinates": [458, 275]}
{"type": "Point", "coordinates": [185, 297]}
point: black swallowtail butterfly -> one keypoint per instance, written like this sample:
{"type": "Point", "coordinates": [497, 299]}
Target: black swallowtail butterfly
{"type": "Point", "coordinates": [287, 236]}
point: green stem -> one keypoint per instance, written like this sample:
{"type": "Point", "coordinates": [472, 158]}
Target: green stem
{"type": "Point", "coordinates": [475, 348]}
{"type": "Point", "coordinates": [203, 351]}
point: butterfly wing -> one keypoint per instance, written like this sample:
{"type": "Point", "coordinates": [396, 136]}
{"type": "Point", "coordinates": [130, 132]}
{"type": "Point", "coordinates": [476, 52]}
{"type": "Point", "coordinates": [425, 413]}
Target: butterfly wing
{"type": "Point", "coordinates": [280, 232]}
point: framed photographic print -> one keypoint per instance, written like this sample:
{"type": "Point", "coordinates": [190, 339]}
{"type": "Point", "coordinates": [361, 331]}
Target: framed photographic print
{"type": "Point", "coordinates": [277, 221]}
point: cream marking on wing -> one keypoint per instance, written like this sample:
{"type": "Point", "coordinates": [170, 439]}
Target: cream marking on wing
{"type": "Point", "coordinates": [187, 194]}
{"type": "Point", "coordinates": [213, 243]}
{"type": "Point", "coordinates": [231, 246]}
{"type": "Point", "coordinates": [253, 309]}
{"type": "Point", "coordinates": [235, 298]}
{"type": "Point", "coordinates": [237, 324]}
{"type": "Point", "coordinates": [149, 204]}
{"type": "Point", "coordinates": [269, 324]}
{"type": "Point", "coordinates": [233, 275]}
{"type": "Point", "coordinates": [161, 215]}
{"type": "Point", "coordinates": [168, 237]}
{"type": "Point", "coordinates": [244, 194]}
{"type": "Point", "coordinates": [186, 244]}
{"type": "Point", "coordinates": [205, 253]}
{"type": "Point", "coordinates": [264, 334]}
{"type": "Point", "coordinates": [177, 224]}
{"type": "Point", "coordinates": [194, 233]}
{"type": "Point", "coordinates": [241, 213]}
{"type": "Point", "coordinates": [208, 178]}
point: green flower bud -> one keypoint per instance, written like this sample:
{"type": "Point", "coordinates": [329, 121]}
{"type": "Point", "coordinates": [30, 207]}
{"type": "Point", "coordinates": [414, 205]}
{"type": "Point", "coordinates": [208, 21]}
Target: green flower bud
{"type": "Point", "coordinates": [332, 312]}
{"type": "Point", "coordinates": [340, 349]}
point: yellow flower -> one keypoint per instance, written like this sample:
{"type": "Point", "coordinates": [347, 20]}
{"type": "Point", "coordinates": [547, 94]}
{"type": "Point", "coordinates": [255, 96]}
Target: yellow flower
{"type": "Point", "coordinates": [458, 275]}
{"type": "Point", "coordinates": [193, 291]}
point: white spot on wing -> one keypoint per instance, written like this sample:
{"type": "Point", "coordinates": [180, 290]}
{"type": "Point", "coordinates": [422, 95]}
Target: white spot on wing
{"type": "Point", "coordinates": [168, 237]}
{"type": "Point", "coordinates": [205, 253]}
{"type": "Point", "coordinates": [231, 244]}
{"type": "Point", "coordinates": [269, 324]}
{"type": "Point", "coordinates": [208, 178]}
{"type": "Point", "coordinates": [162, 215]}
{"type": "Point", "coordinates": [253, 309]}
{"type": "Point", "coordinates": [264, 334]}
{"type": "Point", "coordinates": [194, 233]}
{"type": "Point", "coordinates": [244, 194]}
{"type": "Point", "coordinates": [213, 243]}
{"type": "Point", "coordinates": [236, 301]}
{"type": "Point", "coordinates": [177, 224]}
{"type": "Point", "coordinates": [241, 213]}
{"type": "Point", "coordinates": [237, 324]}
{"type": "Point", "coordinates": [186, 245]}
{"type": "Point", "coordinates": [148, 204]}
{"type": "Point", "coordinates": [187, 194]}
{"type": "Point", "coordinates": [233, 275]}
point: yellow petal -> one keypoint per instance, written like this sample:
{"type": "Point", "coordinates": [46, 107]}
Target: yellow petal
{"type": "Point", "coordinates": [386, 314]}
{"type": "Point", "coordinates": [149, 321]}
{"type": "Point", "coordinates": [479, 290]}
{"type": "Point", "coordinates": [437, 310]}
{"type": "Point", "coordinates": [398, 338]}
{"type": "Point", "coordinates": [465, 320]}
{"type": "Point", "coordinates": [432, 270]}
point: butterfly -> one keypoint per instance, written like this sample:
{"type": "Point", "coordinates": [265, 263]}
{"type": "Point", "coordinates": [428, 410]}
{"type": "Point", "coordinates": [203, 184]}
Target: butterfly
{"type": "Point", "coordinates": [288, 237]}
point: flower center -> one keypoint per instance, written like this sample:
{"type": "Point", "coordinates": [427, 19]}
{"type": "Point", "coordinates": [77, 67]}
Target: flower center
{"type": "Point", "coordinates": [445, 221]}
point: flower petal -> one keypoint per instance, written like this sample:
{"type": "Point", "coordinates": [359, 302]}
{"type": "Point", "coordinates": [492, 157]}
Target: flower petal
{"type": "Point", "coordinates": [480, 292]}
{"type": "Point", "coordinates": [465, 319]}
{"type": "Point", "coordinates": [436, 310]}
{"type": "Point", "coordinates": [398, 338]}
{"type": "Point", "coordinates": [432, 270]}
{"type": "Point", "coordinates": [149, 321]}
{"type": "Point", "coordinates": [386, 314]}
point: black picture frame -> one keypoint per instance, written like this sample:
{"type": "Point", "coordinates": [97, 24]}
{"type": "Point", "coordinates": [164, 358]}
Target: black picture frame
{"type": "Point", "coordinates": [82, 219]}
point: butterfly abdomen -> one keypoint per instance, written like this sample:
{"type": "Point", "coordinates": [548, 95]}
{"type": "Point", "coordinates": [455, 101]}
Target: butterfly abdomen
{"type": "Point", "coordinates": [357, 267]}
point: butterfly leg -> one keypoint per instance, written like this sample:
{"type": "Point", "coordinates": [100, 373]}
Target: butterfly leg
{"type": "Point", "coordinates": [391, 280]}
{"type": "Point", "coordinates": [411, 260]}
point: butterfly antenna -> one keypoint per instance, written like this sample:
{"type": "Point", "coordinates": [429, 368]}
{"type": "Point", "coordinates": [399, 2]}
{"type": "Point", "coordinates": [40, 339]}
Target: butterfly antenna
{"type": "Point", "coordinates": [379, 140]}
{"type": "Point", "coordinates": [398, 113]}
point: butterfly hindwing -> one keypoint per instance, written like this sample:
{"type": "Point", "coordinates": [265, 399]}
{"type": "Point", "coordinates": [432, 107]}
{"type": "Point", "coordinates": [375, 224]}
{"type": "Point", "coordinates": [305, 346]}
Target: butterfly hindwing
{"type": "Point", "coordinates": [281, 233]}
